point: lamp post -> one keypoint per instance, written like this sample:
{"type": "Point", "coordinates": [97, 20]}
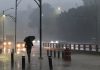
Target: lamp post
{"type": "Point", "coordinates": [97, 40]}
{"type": "Point", "coordinates": [39, 3]}
{"type": "Point", "coordinates": [17, 2]}
{"type": "Point", "coordinates": [3, 28]}
{"type": "Point", "coordinates": [3, 23]}
{"type": "Point", "coordinates": [40, 28]}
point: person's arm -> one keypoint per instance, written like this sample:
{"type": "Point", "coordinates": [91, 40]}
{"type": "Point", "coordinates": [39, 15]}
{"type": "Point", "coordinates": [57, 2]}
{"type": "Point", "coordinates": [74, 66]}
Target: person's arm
{"type": "Point", "coordinates": [31, 43]}
{"type": "Point", "coordinates": [25, 45]}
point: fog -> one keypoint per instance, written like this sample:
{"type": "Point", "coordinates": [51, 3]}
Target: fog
{"type": "Point", "coordinates": [67, 20]}
{"type": "Point", "coordinates": [4, 4]}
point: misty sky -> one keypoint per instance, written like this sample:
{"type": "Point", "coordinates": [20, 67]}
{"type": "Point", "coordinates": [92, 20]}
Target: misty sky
{"type": "Point", "coordinates": [26, 4]}
{"type": "Point", "coordinates": [64, 4]}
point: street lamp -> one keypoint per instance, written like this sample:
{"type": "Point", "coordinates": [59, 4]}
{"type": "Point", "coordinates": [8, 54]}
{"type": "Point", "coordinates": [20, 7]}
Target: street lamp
{"type": "Point", "coordinates": [13, 18]}
{"type": "Point", "coordinates": [39, 3]}
{"type": "Point", "coordinates": [3, 23]}
{"type": "Point", "coordinates": [59, 8]}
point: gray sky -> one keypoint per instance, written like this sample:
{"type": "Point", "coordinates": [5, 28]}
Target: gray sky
{"type": "Point", "coordinates": [65, 4]}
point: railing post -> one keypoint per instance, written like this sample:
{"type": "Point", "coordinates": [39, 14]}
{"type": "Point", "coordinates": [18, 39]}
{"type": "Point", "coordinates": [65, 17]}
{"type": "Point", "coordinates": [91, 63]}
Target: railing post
{"type": "Point", "coordinates": [54, 50]}
{"type": "Point", "coordinates": [43, 44]}
{"type": "Point", "coordinates": [74, 47]}
{"type": "Point", "coordinates": [96, 48]}
{"type": "Point", "coordinates": [62, 50]}
{"type": "Point", "coordinates": [50, 45]}
{"type": "Point", "coordinates": [84, 46]}
{"type": "Point", "coordinates": [58, 50]}
{"type": "Point", "coordinates": [70, 46]}
{"type": "Point", "coordinates": [90, 48]}
{"type": "Point", "coordinates": [79, 47]}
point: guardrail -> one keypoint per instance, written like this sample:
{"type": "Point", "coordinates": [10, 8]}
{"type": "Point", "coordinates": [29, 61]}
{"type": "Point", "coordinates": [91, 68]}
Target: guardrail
{"type": "Point", "coordinates": [79, 48]}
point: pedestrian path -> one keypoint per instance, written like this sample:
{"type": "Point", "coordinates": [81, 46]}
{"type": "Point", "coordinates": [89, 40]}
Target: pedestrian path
{"type": "Point", "coordinates": [79, 62]}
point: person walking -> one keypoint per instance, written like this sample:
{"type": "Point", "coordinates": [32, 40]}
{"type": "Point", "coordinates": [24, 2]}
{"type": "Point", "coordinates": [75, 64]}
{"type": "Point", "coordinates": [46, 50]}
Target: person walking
{"type": "Point", "coordinates": [28, 45]}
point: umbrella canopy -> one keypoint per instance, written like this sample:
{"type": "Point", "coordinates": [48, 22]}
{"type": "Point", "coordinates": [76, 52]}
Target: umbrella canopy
{"type": "Point", "coordinates": [29, 38]}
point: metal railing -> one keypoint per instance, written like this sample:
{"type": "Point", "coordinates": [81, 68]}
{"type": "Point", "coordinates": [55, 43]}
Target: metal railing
{"type": "Point", "coordinates": [79, 48]}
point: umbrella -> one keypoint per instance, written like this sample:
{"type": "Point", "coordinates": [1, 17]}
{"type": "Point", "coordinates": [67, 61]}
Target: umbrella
{"type": "Point", "coordinates": [29, 38]}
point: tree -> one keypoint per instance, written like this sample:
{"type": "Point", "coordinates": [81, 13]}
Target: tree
{"type": "Point", "coordinates": [78, 24]}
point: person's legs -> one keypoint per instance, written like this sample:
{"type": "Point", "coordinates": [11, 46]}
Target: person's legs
{"type": "Point", "coordinates": [29, 57]}
{"type": "Point", "coordinates": [28, 54]}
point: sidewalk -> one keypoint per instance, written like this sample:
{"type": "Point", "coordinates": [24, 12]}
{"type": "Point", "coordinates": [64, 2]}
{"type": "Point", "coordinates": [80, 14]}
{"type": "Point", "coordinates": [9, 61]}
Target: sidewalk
{"type": "Point", "coordinates": [79, 62]}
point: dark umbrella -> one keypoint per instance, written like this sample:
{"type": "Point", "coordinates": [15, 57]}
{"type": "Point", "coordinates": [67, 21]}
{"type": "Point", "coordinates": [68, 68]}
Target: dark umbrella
{"type": "Point", "coordinates": [29, 38]}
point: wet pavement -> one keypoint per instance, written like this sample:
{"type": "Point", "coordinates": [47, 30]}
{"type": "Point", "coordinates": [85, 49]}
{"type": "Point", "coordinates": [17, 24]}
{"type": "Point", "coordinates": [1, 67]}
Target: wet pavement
{"type": "Point", "coordinates": [79, 62]}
